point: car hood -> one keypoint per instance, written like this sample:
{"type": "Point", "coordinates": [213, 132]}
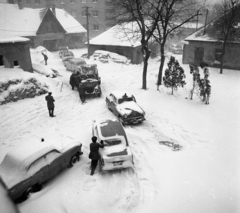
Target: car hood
{"type": "Point", "coordinates": [128, 107]}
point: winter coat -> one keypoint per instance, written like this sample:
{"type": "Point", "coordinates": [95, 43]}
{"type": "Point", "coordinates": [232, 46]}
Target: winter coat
{"type": "Point", "coordinates": [72, 80]}
{"type": "Point", "coordinates": [94, 148]}
{"type": "Point", "coordinates": [77, 79]}
{"type": "Point", "coordinates": [81, 89]}
{"type": "Point", "coordinates": [50, 101]}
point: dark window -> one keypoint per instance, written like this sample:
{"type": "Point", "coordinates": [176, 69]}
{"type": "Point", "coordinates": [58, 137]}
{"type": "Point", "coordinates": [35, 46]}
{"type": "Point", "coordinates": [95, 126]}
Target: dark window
{"type": "Point", "coordinates": [95, 13]}
{"type": "Point", "coordinates": [15, 63]}
{"type": "Point", "coordinates": [96, 27]}
{"type": "Point", "coordinates": [1, 60]}
{"type": "Point", "coordinates": [218, 54]}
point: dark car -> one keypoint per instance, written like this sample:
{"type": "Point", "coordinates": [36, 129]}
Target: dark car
{"type": "Point", "coordinates": [116, 153]}
{"type": "Point", "coordinates": [125, 107]}
{"type": "Point", "coordinates": [91, 80]}
{"type": "Point", "coordinates": [25, 168]}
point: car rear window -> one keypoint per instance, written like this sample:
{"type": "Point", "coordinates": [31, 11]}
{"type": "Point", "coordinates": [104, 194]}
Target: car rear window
{"type": "Point", "coordinates": [125, 99]}
{"type": "Point", "coordinates": [80, 63]}
{"type": "Point", "coordinates": [113, 142]}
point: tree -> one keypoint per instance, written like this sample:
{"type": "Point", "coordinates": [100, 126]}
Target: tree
{"type": "Point", "coordinates": [174, 75]}
{"type": "Point", "coordinates": [226, 28]}
{"type": "Point", "coordinates": [172, 15]}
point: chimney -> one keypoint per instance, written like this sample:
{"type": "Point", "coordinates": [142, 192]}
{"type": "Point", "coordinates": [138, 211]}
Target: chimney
{"type": "Point", "coordinates": [53, 9]}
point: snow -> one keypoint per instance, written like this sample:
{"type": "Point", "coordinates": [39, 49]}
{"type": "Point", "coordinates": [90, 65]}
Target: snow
{"type": "Point", "coordinates": [13, 39]}
{"type": "Point", "coordinates": [127, 107]}
{"type": "Point", "coordinates": [202, 177]}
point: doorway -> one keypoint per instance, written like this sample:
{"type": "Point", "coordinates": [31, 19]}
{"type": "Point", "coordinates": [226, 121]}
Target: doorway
{"type": "Point", "coordinates": [198, 55]}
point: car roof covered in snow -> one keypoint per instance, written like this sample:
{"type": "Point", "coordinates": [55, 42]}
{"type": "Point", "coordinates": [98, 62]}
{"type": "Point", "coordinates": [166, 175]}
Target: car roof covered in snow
{"type": "Point", "coordinates": [109, 129]}
{"type": "Point", "coordinates": [120, 93]}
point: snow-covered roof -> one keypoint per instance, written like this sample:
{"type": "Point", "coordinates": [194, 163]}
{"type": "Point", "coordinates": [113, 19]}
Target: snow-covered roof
{"type": "Point", "coordinates": [119, 35]}
{"type": "Point", "coordinates": [13, 39]}
{"type": "Point", "coordinates": [26, 21]}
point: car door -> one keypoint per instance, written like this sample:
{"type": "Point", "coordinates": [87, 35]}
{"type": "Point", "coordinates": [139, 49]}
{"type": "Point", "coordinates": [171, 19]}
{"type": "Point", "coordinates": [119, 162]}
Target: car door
{"type": "Point", "coordinates": [39, 171]}
{"type": "Point", "coordinates": [55, 162]}
{"type": "Point", "coordinates": [114, 106]}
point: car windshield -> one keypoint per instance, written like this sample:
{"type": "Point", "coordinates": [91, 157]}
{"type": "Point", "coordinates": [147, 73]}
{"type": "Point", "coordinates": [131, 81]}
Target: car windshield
{"type": "Point", "coordinates": [112, 142]}
{"type": "Point", "coordinates": [68, 54]}
{"type": "Point", "coordinates": [125, 100]}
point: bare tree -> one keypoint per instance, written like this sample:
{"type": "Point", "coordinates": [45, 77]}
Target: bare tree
{"type": "Point", "coordinates": [139, 11]}
{"type": "Point", "coordinates": [173, 14]}
{"type": "Point", "coordinates": [226, 28]}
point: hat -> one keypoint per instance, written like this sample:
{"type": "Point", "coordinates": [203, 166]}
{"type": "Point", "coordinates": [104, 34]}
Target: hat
{"type": "Point", "coordinates": [50, 93]}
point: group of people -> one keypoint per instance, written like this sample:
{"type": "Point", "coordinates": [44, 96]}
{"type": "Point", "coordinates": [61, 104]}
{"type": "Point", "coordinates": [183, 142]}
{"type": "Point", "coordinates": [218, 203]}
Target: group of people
{"type": "Point", "coordinates": [94, 146]}
{"type": "Point", "coordinates": [76, 81]}
{"type": "Point", "coordinates": [204, 83]}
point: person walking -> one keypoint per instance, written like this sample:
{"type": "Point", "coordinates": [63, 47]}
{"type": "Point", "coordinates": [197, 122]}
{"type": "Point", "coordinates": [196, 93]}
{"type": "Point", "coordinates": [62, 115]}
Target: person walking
{"type": "Point", "coordinates": [45, 57]}
{"type": "Point", "coordinates": [50, 104]}
{"type": "Point", "coordinates": [94, 153]}
{"type": "Point", "coordinates": [82, 93]}
{"type": "Point", "coordinates": [72, 81]}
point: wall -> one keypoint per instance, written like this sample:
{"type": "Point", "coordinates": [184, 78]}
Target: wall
{"type": "Point", "coordinates": [231, 58]}
{"type": "Point", "coordinates": [130, 52]}
{"type": "Point", "coordinates": [18, 51]}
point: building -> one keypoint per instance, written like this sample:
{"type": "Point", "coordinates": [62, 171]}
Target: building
{"type": "Point", "coordinates": [44, 27]}
{"type": "Point", "coordinates": [15, 52]}
{"type": "Point", "coordinates": [118, 39]}
{"type": "Point", "coordinates": [204, 45]}
{"type": "Point", "coordinates": [100, 11]}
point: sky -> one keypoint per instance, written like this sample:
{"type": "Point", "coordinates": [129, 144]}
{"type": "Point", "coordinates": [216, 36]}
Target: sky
{"type": "Point", "coordinates": [203, 176]}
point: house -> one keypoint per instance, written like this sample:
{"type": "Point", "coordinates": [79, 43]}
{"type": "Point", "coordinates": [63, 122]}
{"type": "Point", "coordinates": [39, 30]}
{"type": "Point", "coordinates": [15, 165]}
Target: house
{"type": "Point", "coordinates": [43, 26]}
{"type": "Point", "coordinates": [203, 45]}
{"type": "Point", "coordinates": [118, 39]}
{"type": "Point", "coordinates": [15, 52]}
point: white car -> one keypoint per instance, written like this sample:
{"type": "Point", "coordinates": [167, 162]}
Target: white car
{"type": "Point", "coordinates": [106, 56]}
{"type": "Point", "coordinates": [74, 64]}
{"type": "Point", "coordinates": [67, 56]}
{"type": "Point", "coordinates": [124, 105]}
{"type": "Point", "coordinates": [116, 153]}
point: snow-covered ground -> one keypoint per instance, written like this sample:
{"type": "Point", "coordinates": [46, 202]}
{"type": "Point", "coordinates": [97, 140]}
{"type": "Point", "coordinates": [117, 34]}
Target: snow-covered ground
{"type": "Point", "coordinates": [203, 177]}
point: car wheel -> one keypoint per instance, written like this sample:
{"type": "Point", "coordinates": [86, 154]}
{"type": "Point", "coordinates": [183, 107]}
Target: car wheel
{"type": "Point", "coordinates": [73, 160]}
{"type": "Point", "coordinates": [27, 192]}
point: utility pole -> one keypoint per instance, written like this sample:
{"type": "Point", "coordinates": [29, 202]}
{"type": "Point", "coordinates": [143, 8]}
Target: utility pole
{"type": "Point", "coordinates": [87, 24]}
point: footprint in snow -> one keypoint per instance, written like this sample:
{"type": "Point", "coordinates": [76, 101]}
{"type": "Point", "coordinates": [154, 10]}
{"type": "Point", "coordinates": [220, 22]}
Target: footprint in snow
{"type": "Point", "coordinates": [88, 184]}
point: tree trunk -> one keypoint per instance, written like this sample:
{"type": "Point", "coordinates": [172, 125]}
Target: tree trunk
{"type": "Point", "coordinates": [159, 82]}
{"type": "Point", "coordinates": [223, 53]}
{"type": "Point", "coordinates": [145, 66]}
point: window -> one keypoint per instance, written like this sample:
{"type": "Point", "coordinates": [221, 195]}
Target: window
{"type": "Point", "coordinates": [96, 27]}
{"type": "Point", "coordinates": [62, 2]}
{"type": "Point", "coordinates": [37, 166]}
{"type": "Point", "coordinates": [1, 60]}
{"type": "Point", "coordinates": [83, 1]}
{"type": "Point", "coordinates": [84, 13]}
{"type": "Point", "coordinates": [15, 63]}
{"type": "Point", "coordinates": [95, 13]}
{"type": "Point", "coordinates": [218, 54]}
{"type": "Point", "coordinates": [72, 1]}
{"type": "Point", "coordinates": [28, 2]}
{"type": "Point", "coordinates": [94, 1]}
{"type": "Point", "coordinates": [74, 14]}
{"type": "Point", "coordinates": [51, 156]}
{"type": "Point", "coordinates": [49, 26]}
{"type": "Point", "coordinates": [37, 2]}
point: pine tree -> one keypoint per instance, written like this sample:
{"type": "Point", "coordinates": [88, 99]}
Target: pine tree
{"type": "Point", "coordinates": [174, 75]}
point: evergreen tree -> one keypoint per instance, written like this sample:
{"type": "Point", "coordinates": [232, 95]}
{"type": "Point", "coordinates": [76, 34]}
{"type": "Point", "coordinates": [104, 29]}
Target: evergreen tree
{"type": "Point", "coordinates": [174, 75]}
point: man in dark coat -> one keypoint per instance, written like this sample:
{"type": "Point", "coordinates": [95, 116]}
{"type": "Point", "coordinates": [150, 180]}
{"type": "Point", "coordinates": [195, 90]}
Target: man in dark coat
{"type": "Point", "coordinates": [45, 58]}
{"type": "Point", "coordinates": [82, 93]}
{"type": "Point", "coordinates": [72, 81]}
{"type": "Point", "coordinates": [94, 154]}
{"type": "Point", "coordinates": [50, 104]}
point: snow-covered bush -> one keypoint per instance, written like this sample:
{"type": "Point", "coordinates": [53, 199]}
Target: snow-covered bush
{"type": "Point", "coordinates": [17, 89]}
{"type": "Point", "coordinates": [174, 75]}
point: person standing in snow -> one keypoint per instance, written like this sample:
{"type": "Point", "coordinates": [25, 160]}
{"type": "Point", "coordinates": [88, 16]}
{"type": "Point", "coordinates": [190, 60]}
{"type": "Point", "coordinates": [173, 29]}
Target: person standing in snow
{"type": "Point", "coordinates": [50, 104]}
{"type": "Point", "coordinates": [45, 57]}
{"type": "Point", "coordinates": [82, 93]}
{"type": "Point", "coordinates": [72, 81]}
{"type": "Point", "coordinates": [94, 154]}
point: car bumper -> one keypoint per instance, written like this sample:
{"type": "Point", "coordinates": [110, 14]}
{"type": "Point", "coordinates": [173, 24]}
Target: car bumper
{"type": "Point", "coordinates": [116, 165]}
{"type": "Point", "coordinates": [133, 120]}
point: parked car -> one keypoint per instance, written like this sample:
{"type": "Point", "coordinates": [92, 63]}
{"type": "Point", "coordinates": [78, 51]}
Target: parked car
{"type": "Point", "coordinates": [116, 153]}
{"type": "Point", "coordinates": [25, 168]}
{"type": "Point", "coordinates": [74, 64]}
{"type": "Point", "coordinates": [106, 56]}
{"type": "Point", "coordinates": [125, 107]}
{"type": "Point", "coordinates": [62, 49]}
{"type": "Point", "coordinates": [91, 79]}
{"type": "Point", "coordinates": [67, 55]}
{"type": "Point", "coordinates": [176, 48]}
